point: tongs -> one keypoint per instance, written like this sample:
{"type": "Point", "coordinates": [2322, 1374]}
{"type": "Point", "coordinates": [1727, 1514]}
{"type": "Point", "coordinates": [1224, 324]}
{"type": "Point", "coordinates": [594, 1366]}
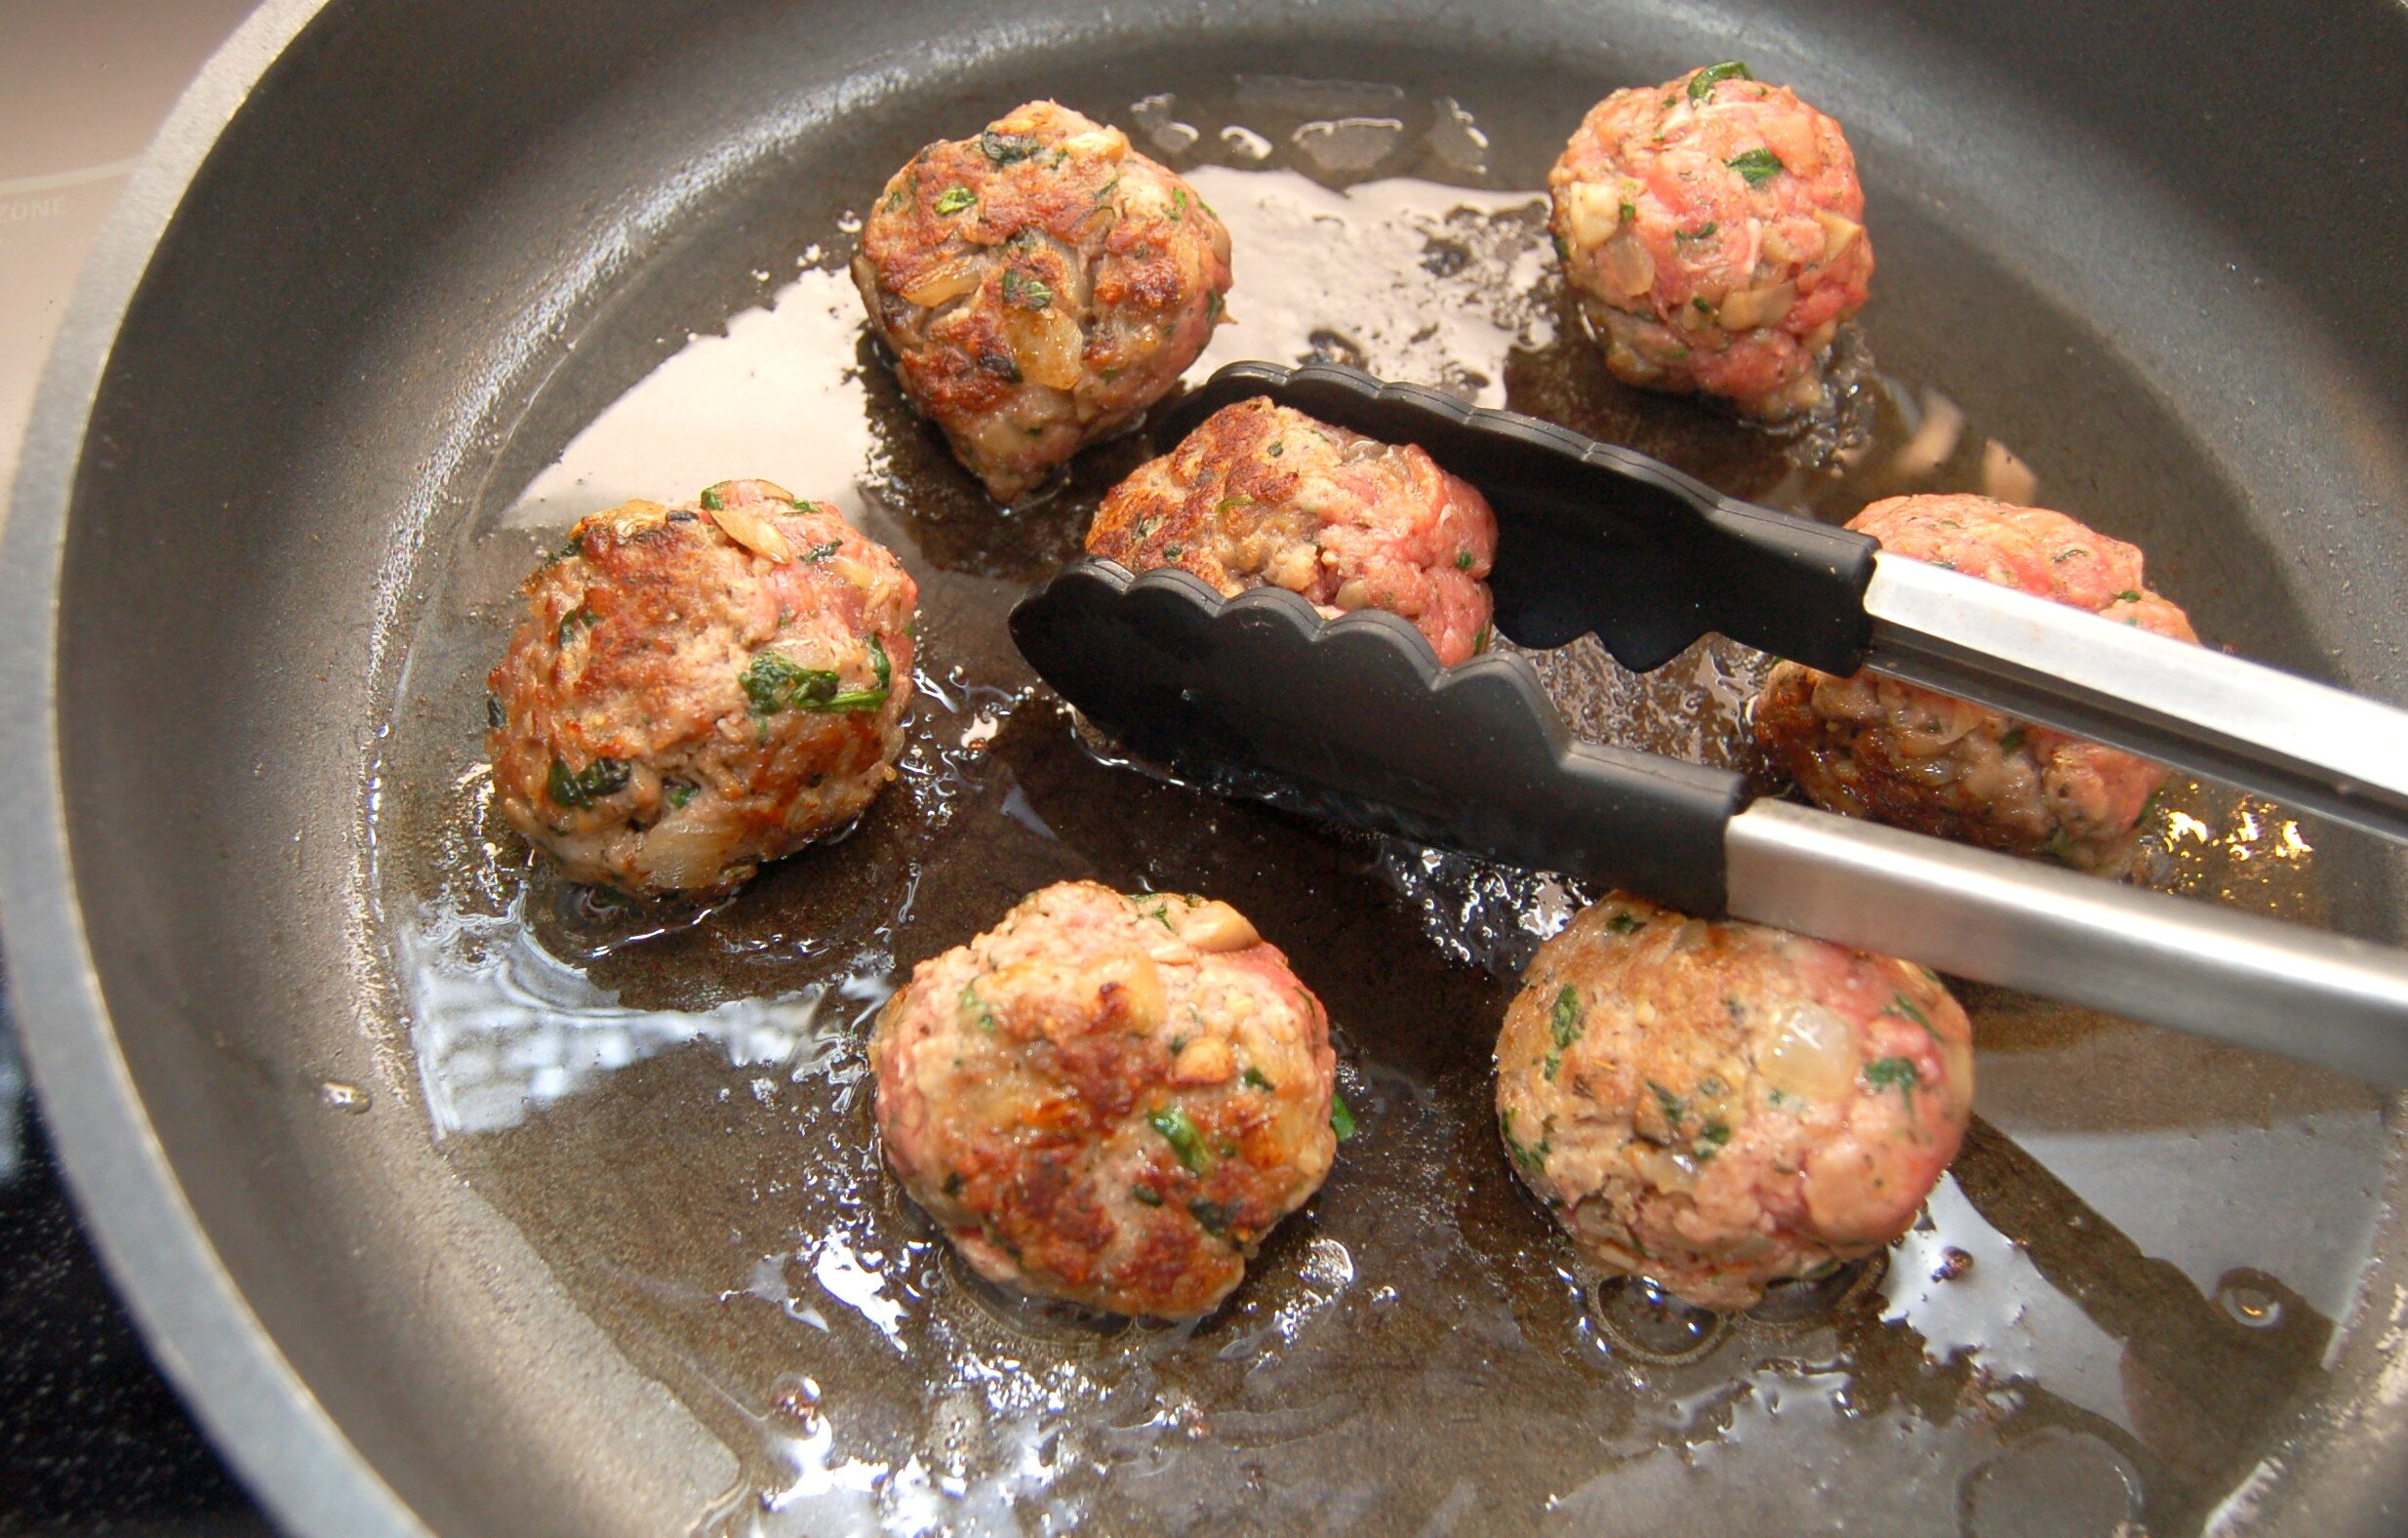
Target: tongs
{"type": "Point", "coordinates": [1354, 721]}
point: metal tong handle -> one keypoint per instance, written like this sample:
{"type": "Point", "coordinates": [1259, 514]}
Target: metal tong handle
{"type": "Point", "coordinates": [1598, 539]}
{"type": "Point", "coordinates": [2302, 743]}
{"type": "Point", "coordinates": [2236, 978]}
{"type": "Point", "coordinates": [1353, 720]}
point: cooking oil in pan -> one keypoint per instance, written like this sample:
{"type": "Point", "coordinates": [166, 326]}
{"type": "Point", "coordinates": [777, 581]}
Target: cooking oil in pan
{"type": "Point", "coordinates": [2133, 1267]}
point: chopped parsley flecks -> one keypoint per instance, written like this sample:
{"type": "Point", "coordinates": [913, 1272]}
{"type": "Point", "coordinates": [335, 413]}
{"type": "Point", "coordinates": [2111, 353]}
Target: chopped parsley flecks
{"type": "Point", "coordinates": [581, 788]}
{"type": "Point", "coordinates": [952, 200]}
{"type": "Point", "coordinates": [1895, 1073]}
{"type": "Point", "coordinates": [1672, 1106]}
{"type": "Point", "coordinates": [975, 1008]}
{"type": "Point", "coordinates": [1025, 291]}
{"type": "Point", "coordinates": [1341, 1116]}
{"type": "Point", "coordinates": [677, 793]}
{"type": "Point", "coordinates": [775, 683]}
{"type": "Point", "coordinates": [1905, 1008]}
{"type": "Point", "coordinates": [1005, 150]}
{"type": "Point", "coordinates": [710, 500]}
{"type": "Point", "coordinates": [1625, 923]}
{"type": "Point", "coordinates": [1213, 1216]}
{"type": "Point", "coordinates": [1701, 84]}
{"type": "Point", "coordinates": [1531, 1157]}
{"type": "Point", "coordinates": [1257, 1078]}
{"type": "Point", "coordinates": [1566, 1017]}
{"type": "Point", "coordinates": [1177, 1129]}
{"type": "Point", "coordinates": [1758, 166]}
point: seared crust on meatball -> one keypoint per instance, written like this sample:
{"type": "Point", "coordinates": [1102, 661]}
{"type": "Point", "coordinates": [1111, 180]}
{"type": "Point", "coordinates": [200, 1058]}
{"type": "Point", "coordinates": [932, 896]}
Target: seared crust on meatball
{"type": "Point", "coordinates": [1878, 749]}
{"type": "Point", "coordinates": [1040, 285]}
{"type": "Point", "coordinates": [1712, 228]}
{"type": "Point", "coordinates": [1720, 1105]}
{"type": "Point", "coordinates": [1260, 494]}
{"type": "Point", "coordinates": [1109, 1099]}
{"type": "Point", "coordinates": [700, 688]}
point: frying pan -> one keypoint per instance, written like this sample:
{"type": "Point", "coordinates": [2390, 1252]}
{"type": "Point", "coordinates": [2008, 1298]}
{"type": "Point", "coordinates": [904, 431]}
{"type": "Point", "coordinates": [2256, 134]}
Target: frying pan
{"type": "Point", "coordinates": [339, 316]}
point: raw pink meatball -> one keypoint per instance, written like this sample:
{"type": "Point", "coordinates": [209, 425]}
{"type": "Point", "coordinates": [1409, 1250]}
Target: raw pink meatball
{"type": "Point", "coordinates": [1720, 1105]}
{"type": "Point", "coordinates": [1876, 747]}
{"type": "Point", "coordinates": [1713, 230]}
{"type": "Point", "coordinates": [1109, 1099]}
{"type": "Point", "coordinates": [1260, 494]}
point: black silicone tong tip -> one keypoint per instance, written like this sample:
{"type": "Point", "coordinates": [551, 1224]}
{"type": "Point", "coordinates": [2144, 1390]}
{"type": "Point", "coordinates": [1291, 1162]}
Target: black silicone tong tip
{"type": "Point", "coordinates": [1354, 721]}
{"type": "Point", "coordinates": [1595, 538]}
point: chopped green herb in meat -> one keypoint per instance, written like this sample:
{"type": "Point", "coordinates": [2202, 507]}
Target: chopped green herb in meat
{"type": "Point", "coordinates": [1173, 1122]}
{"type": "Point", "coordinates": [1701, 84]}
{"type": "Point", "coordinates": [1758, 166]}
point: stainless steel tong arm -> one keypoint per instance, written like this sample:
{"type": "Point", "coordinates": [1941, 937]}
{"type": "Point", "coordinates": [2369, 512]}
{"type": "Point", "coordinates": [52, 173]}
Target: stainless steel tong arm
{"type": "Point", "coordinates": [2251, 982]}
{"type": "Point", "coordinates": [2306, 744]}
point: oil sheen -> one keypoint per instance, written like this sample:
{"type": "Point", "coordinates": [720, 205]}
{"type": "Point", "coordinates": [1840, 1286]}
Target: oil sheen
{"type": "Point", "coordinates": [2133, 1267]}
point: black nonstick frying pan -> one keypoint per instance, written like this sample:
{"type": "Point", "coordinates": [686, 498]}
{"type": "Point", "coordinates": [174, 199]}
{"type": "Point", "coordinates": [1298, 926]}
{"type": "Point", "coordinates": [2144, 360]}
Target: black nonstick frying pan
{"type": "Point", "coordinates": [390, 260]}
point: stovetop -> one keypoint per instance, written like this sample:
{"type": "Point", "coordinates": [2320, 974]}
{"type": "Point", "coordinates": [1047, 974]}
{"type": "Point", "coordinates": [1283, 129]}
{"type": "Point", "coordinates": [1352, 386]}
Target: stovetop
{"type": "Point", "coordinates": [92, 1439]}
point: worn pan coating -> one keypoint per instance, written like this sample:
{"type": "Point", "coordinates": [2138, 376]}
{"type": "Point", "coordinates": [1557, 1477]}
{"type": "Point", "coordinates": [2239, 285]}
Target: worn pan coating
{"type": "Point", "coordinates": [334, 290]}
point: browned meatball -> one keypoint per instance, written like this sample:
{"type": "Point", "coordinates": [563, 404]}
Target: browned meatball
{"type": "Point", "coordinates": [1720, 1105]}
{"type": "Point", "coordinates": [700, 688]}
{"type": "Point", "coordinates": [1109, 1099]}
{"type": "Point", "coordinates": [1040, 285]}
{"type": "Point", "coordinates": [1260, 494]}
{"type": "Point", "coordinates": [1714, 229]}
{"type": "Point", "coordinates": [1876, 747]}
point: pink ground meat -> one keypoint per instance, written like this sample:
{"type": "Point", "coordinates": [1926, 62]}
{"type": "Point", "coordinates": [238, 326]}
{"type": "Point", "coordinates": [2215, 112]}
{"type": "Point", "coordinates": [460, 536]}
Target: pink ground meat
{"type": "Point", "coordinates": [1712, 228]}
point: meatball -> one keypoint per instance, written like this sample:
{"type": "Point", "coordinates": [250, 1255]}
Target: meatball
{"type": "Point", "coordinates": [1040, 285]}
{"type": "Point", "coordinates": [1261, 494]}
{"type": "Point", "coordinates": [697, 689]}
{"type": "Point", "coordinates": [1713, 230]}
{"type": "Point", "coordinates": [1109, 1099]}
{"type": "Point", "coordinates": [1876, 747]}
{"type": "Point", "coordinates": [1720, 1105]}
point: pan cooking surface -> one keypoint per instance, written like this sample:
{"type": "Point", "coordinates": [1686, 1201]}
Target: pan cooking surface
{"type": "Point", "coordinates": [2135, 1265]}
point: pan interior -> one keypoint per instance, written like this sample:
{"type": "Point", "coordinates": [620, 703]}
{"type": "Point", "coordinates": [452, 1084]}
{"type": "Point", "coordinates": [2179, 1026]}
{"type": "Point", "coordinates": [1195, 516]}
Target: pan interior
{"type": "Point", "coordinates": [2132, 1273]}
{"type": "Point", "coordinates": [570, 1217]}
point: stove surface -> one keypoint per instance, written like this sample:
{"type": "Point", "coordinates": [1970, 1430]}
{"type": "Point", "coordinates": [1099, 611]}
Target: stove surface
{"type": "Point", "coordinates": [92, 1439]}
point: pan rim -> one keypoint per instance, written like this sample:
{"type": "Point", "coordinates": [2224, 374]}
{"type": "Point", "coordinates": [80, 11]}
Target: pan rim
{"type": "Point", "coordinates": [286, 1445]}
{"type": "Point", "coordinates": [202, 1332]}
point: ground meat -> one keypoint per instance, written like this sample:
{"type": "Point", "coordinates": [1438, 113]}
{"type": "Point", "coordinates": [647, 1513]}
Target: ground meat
{"type": "Point", "coordinates": [1876, 747]}
{"type": "Point", "coordinates": [1040, 285]}
{"type": "Point", "coordinates": [1260, 494]}
{"type": "Point", "coordinates": [700, 688]}
{"type": "Point", "coordinates": [1720, 1105]}
{"type": "Point", "coordinates": [1109, 1099]}
{"type": "Point", "coordinates": [1712, 228]}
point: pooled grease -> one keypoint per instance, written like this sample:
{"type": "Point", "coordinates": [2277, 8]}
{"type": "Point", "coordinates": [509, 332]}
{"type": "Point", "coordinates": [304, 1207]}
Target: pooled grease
{"type": "Point", "coordinates": [2131, 1267]}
